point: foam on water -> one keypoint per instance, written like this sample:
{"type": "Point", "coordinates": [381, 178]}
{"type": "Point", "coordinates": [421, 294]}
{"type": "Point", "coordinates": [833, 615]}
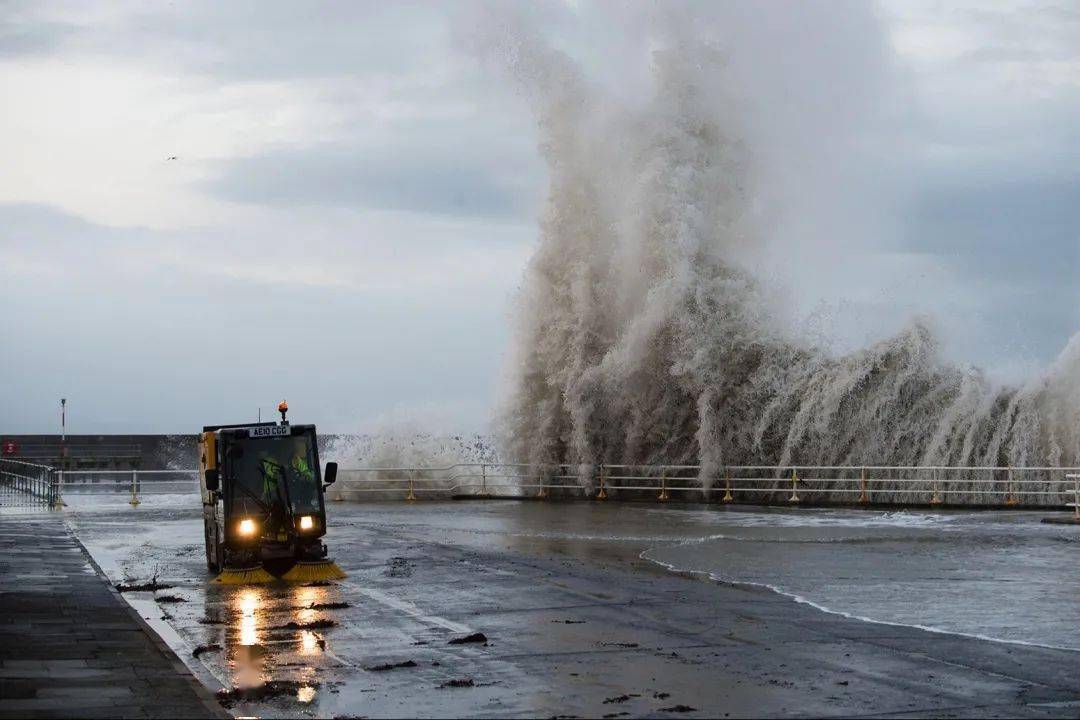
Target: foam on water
{"type": "Point", "coordinates": [859, 519]}
{"type": "Point", "coordinates": [644, 337]}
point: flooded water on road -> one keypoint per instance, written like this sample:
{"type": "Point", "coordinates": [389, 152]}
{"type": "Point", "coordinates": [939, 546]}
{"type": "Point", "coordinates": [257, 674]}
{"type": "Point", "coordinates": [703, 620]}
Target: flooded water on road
{"type": "Point", "coordinates": [1000, 575]}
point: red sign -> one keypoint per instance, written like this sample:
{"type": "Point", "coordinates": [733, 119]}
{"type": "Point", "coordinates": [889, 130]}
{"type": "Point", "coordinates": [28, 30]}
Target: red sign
{"type": "Point", "coordinates": [10, 447]}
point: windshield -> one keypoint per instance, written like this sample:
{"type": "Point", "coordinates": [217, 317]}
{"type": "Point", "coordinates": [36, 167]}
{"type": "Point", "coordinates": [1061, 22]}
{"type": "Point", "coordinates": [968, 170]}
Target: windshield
{"type": "Point", "coordinates": [272, 470]}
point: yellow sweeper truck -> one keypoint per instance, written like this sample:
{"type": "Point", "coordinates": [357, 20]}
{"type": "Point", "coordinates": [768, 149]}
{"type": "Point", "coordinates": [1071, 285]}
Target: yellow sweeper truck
{"type": "Point", "coordinates": [263, 511]}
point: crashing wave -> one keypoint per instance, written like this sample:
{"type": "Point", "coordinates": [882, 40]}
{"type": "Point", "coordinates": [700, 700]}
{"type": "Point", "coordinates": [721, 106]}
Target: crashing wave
{"type": "Point", "coordinates": [643, 339]}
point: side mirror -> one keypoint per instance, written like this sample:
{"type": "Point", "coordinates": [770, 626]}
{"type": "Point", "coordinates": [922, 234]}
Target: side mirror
{"type": "Point", "coordinates": [213, 479]}
{"type": "Point", "coordinates": [331, 473]}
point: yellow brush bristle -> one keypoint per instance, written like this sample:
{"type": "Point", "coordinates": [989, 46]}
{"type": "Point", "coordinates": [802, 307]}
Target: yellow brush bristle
{"type": "Point", "coordinates": [244, 576]}
{"type": "Point", "coordinates": [313, 571]}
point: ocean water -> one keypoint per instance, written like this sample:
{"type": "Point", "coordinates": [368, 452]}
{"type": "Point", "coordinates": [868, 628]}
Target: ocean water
{"type": "Point", "coordinates": [999, 575]}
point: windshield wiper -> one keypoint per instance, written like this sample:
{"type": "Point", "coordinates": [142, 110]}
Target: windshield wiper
{"type": "Point", "coordinates": [281, 485]}
{"type": "Point", "coordinates": [252, 495]}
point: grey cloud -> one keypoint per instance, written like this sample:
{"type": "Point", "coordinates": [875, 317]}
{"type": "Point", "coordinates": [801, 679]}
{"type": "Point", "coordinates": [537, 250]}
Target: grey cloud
{"type": "Point", "coordinates": [388, 178]}
{"type": "Point", "coordinates": [246, 39]}
{"type": "Point", "coordinates": [1015, 246]}
{"type": "Point", "coordinates": [983, 206]}
{"type": "Point", "coordinates": [998, 216]}
{"type": "Point", "coordinates": [146, 347]}
{"type": "Point", "coordinates": [18, 39]}
{"type": "Point", "coordinates": [1020, 230]}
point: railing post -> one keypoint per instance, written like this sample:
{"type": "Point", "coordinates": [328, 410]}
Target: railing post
{"type": "Point", "coordinates": [542, 493]}
{"type": "Point", "coordinates": [134, 488]}
{"type": "Point", "coordinates": [1010, 499]}
{"type": "Point", "coordinates": [728, 497]}
{"type": "Point", "coordinates": [483, 479]}
{"type": "Point", "coordinates": [794, 486]}
{"type": "Point", "coordinates": [411, 496]}
{"type": "Point", "coordinates": [58, 501]}
{"type": "Point", "coordinates": [1076, 497]}
{"type": "Point", "coordinates": [935, 498]}
{"type": "Point", "coordinates": [663, 486]}
{"type": "Point", "coordinates": [864, 498]}
{"type": "Point", "coordinates": [602, 495]}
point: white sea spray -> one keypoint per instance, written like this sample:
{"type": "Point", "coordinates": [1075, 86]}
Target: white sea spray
{"type": "Point", "coordinates": [642, 338]}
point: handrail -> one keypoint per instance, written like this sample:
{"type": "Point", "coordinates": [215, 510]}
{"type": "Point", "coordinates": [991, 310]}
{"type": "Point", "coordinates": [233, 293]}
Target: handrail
{"type": "Point", "coordinates": [128, 472]}
{"type": "Point", "coordinates": [28, 481]}
{"type": "Point", "coordinates": [21, 462]}
{"type": "Point", "coordinates": [757, 482]}
{"type": "Point", "coordinates": [853, 468]}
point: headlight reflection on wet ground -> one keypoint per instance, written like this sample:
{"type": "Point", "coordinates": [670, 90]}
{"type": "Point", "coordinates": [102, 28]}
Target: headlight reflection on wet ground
{"type": "Point", "coordinates": [245, 651]}
{"type": "Point", "coordinates": [249, 622]}
{"type": "Point", "coordinates": [263, 642]}
{"type": "Point", "coordinates": [305, 598]}
{"type": "Point", "coordinates": [308, 676]}
{"type": "Point", "coordinates": [309, 643]}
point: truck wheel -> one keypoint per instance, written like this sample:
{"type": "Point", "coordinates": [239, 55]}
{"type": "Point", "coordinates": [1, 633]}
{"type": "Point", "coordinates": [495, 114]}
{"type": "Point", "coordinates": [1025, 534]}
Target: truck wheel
{"type": "Point", "coordinates": [212, 561]}
{"type": "Point", "coordinates": [219, 549]}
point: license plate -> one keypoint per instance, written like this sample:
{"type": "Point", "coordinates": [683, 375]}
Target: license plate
{"type": "Point", "coordinates": [268, 431]}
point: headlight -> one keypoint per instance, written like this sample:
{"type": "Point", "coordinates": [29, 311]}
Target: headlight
{"type": "Point", "coordinates": [246, 527]}
{"type": "Point", "coordinates": [306, 522]}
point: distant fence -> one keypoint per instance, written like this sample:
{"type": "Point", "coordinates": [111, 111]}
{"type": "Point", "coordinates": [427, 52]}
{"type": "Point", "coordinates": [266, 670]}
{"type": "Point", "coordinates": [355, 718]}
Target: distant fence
{"type": "Point", "coordinates": [754, 484]}
{"type": "Point", "coordinates": [129, 485]}
{"type": "Point", "coordinates": [747, 484]}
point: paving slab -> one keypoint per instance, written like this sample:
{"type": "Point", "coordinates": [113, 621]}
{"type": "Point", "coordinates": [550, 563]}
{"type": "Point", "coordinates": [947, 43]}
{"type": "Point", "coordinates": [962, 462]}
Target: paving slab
{"type": "Point", "coordinates": [69, 644]}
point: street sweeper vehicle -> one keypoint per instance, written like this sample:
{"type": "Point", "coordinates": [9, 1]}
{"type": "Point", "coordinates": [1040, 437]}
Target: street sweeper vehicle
{"type": "Point", "coordinates": [263, 507]}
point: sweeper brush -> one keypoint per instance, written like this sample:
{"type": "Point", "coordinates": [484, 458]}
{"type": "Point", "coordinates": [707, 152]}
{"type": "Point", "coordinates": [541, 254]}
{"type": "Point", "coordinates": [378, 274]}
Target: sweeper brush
{"type": "Point", "coordinates": [314, 572]}
{"type": "Point", "coordinates": [264, 514]}
{"type": "Point", "coordinates": [244, 576]}
{"type": "Point", "coordinates": [301, 572]}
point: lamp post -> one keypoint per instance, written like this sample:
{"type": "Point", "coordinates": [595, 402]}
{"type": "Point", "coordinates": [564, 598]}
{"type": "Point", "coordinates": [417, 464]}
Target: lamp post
{"type": "Point", "coordinates": [63, 427]}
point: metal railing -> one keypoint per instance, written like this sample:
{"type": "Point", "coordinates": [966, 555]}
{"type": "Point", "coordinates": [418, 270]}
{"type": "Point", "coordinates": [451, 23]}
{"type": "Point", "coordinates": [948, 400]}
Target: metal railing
{"type": "Point", "coordinates": [791, 484]}
{"type": "Point", "coordinates": [1076, 494]}
{"type": "Point", "coordinates": [24, 484]}
{"type": "Point", "coordinates": [987, 486]}
{"type": "Point", "coordinates": [129, 483]}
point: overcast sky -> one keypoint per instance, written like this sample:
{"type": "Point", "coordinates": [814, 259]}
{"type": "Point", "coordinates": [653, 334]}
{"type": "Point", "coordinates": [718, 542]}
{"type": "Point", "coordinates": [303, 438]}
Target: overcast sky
{"type": "Point", "coordinates": [206, 207]}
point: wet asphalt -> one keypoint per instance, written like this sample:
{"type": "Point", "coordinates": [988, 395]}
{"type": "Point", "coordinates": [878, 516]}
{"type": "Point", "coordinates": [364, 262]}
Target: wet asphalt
{"type": "Point", "coordinates": [573, 624]}
{"type": "Point", "coordinates": [69, 645]}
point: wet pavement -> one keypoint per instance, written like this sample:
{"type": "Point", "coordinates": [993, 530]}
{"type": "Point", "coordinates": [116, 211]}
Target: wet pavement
{"type": "Point", "coordinates": [574, 622]}
{"type": "Point", "coordinates": [69, 644]}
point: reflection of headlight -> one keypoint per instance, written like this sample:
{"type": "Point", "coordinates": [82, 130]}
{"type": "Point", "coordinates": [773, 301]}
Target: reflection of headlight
{"type": "Point", "coordinates": [246, 527]}
{"type": "Point", "coordinates": [307, 522]}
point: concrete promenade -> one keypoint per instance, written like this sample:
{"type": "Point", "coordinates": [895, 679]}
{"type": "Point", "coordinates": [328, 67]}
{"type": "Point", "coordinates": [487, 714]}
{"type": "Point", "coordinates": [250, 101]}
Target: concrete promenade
{"type": "Point", "coordinates": [69, 644]}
